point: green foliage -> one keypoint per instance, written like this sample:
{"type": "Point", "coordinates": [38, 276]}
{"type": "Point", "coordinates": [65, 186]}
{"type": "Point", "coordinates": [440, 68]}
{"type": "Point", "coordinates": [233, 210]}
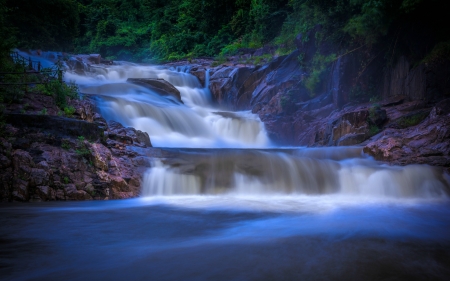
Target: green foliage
{"type": "Point", "coordinates": [411, 120]}
{"type": "Point", "coordinates": [43, 111]}
{"type": "Point", "coordinates": [364, 93]}
{"type": "Point", "coordinates": [155, 30]}
{"type": "Point", "coordinates": [373, 130]}
{"type": "Point", "coordinates": [69, 111]}
{"type": "Point", "coordinates": [320, 65]}
{"type": "Point", "coordinates": [440, 52]}
{"type": "Point", "coordinates": [287, 101]}
{"type": "Point", "coordinates": [65, 145]}
{"type": "Point", "coordinates": [82, 150]}
{"type": "Point", "coordinates": [66, 180]}
{"type": "Point", "coordinates": [6, 31]}
{"type": "Point", "coordinates": [47, 24]}
{"type": "Point", "coordinates": [60, 91]}
{"type": "Point", "coordinates": [373, 111]}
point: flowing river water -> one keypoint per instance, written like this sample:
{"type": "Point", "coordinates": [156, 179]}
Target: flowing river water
{"type": "Point", "coordinates": [232, 205]}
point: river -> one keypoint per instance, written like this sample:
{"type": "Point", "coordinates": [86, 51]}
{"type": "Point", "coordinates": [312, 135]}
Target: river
{"type": "Point", "coordinates": [232, 205]}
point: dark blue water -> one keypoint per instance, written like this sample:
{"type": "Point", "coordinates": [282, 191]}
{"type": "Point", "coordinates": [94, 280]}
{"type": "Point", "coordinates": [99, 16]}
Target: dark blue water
{"type": "Point", "coordinates": [227, 238]}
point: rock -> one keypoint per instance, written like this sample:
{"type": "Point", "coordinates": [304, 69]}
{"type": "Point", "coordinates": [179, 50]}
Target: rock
{"type": "Point", "coordinates": [142, 137]}
{"type": "Point", "coordinates": [119, 133]}
{"type": "Point", "coordinates": [160, 86]}
{"type": "Point", "coordinates": [76, 65]}
{"type": "Point", "coordinates": [46, 193]}
{"type": "Point", "coordinates": [427, 142]}
{"type": "Point", "coordinates": [351, 139]}
{"type": "Point", "coordinates": [4, 162]}
{"type": "Point", "coordinates": [84, 109]}
{"type": "Point", "coordinates": [100, 156]}
{"type": "Point", "coordinates": [200, 73]}
{"type": "Point", "coordinates": [95, 58]}
{"type": "Point", "coordinates": [20, 190]}
{"type": "Point", "coordinates": [351, 123]}
{"type": "Point", "coordinates": [39, 177]}
{"type": "Point", "coordinates": [59, 195]}
{"type": "Point", "coordinates": [225, 82]}
{"type": "Point", "coordinates": [56, 125]}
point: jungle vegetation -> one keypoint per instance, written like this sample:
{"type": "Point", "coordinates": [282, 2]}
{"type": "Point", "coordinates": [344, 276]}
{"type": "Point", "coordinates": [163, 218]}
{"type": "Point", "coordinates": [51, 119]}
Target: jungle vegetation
{"type": "Point", "coordinates": [164, 30]}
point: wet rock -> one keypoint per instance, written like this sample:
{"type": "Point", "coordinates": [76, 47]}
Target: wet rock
{"type": "Point", "coordinates": [160, 86]}
{"type": "Point", "coordinates": [76, 65]}
{"type": "Point", "coordinates": [84, 109]}
{"type": "Point", "coordinates": [119, 133]}
{"type": "Point", "coordinates": [200, 73]}
{"type": "Point", "coordinates": [225, 82]}
{"type": "Point", "coordinates": [427, 142]}
{"type": "Point", "coordinates": [100, 156]}
{"type": "Point", "coordinates": [95, 58]}
{"type": "Point", "coordinates": [352, 123]}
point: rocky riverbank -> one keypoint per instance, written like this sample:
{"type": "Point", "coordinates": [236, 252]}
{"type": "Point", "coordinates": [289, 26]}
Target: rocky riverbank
{"type": "Point", "coordinates": [50, 157]}
{"type": "Point", "coordinates": [403, 119]}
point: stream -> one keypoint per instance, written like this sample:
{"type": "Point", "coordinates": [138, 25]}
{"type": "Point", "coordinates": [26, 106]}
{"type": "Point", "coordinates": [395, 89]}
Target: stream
{"type": "Point", "coordinates": [232, 205]}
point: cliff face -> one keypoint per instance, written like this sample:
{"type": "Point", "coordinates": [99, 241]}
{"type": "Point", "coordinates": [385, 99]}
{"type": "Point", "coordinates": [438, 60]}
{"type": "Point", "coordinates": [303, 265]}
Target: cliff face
{"type": "Point", "coordinates": [359, 99]}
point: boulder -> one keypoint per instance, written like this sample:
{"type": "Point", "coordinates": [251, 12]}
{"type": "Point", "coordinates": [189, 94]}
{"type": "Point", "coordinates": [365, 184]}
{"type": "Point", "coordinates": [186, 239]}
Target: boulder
{"type": "Point", "coordinates": [427, 142]}
{"type": "Point", "coordinates": [117, 132]}
{"type": "Point", "coordinates": [160, 86]}
{"type": "Point", "coordinates": [200, 73]}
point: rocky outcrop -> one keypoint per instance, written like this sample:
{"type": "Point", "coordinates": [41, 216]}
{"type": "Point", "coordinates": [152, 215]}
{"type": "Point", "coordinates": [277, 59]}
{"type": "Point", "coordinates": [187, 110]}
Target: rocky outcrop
{"type": "Point", "coordinates": [160, 86]}
{"type": "Point", "coordinates": [57, 158]}
{"type": "Point", "coordinates": [226, 81]}
{"type": "Point", "coordinates": [428, 142]}
{"type": "Point", "coordinates": [340, 111]}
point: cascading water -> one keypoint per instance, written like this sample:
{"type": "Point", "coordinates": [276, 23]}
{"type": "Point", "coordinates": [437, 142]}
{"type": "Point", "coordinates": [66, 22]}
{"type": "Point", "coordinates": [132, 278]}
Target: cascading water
{"type": "Point", "coordinates": [195, 123]}
{"type": "Point", "coordinates": [282, 213]}
{"type": "Point", "coordinates": [340, 171]}
{"type": "Point", "coordinates": [168, 122]}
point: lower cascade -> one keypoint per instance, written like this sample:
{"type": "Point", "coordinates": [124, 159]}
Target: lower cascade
{"type": "Point", "coordinates": [303, 171]}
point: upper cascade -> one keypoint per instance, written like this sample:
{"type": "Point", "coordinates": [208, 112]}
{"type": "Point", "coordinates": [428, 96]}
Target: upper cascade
{"type": "Point", "coordinates": [193, 122]}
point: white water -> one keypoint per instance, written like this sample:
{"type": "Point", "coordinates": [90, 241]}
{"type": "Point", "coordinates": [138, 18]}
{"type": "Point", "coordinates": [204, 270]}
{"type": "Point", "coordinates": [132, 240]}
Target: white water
{"type": "Point", "coordinates": [277, 174]}
{"type": "Point", "coordinates": [195, 123]}
{"type": "Point", "coordinates": [282, 214]}
{"type": "Point", "coordinates": [170, 124]}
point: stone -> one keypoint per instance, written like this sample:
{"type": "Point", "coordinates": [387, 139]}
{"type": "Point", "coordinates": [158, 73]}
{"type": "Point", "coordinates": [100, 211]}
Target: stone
{"type": "Point", "coordinates": [59, 195]}
{"type": "Point", "coordinates": [160, 86]}
{"type": "Point", "coordinates": [44, 192]}
{"type": "Point", "coordinates": [4, 162]}
{"type": "Point", "coordinates": [100, 156]}
{"type": "Point", "coordinates": [39, 177]}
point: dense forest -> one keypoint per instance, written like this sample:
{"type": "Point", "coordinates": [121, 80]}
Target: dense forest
{"type": "Point", "coordinates": [157, 30]}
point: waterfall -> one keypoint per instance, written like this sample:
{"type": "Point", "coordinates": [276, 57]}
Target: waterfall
{"type": "Point", "coordinates": [195, 123]}
{"type": "Point", "coordinates": [274, 172]}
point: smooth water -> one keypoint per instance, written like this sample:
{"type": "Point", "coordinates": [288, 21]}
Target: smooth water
{"type": "Point", "coordinates": [227, 238]}
{"type": "Point", "coordinates": [245, 210]}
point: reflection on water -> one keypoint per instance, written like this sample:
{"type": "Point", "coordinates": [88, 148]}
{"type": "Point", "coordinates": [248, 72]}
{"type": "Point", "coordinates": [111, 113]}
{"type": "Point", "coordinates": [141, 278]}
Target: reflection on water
{"type": "Point", "coordinates": [227, 238]}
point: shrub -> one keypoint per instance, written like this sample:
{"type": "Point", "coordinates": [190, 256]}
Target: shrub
{"type": "Point", "coordinates": [69, 111]}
